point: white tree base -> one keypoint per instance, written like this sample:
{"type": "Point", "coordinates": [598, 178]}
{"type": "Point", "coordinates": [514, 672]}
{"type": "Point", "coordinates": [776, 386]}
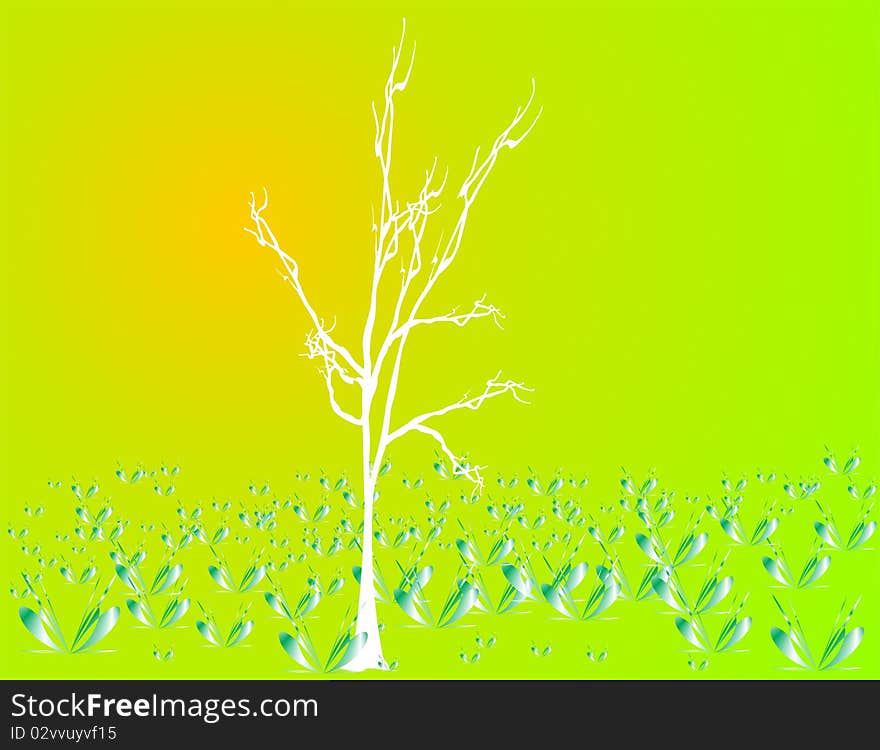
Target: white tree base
{"type": "Point", "coordinates": [366, 660]}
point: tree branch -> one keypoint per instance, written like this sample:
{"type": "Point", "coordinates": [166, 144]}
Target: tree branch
{"type": "Point", "coordinates": [474, 182]}
{"type": "Point", "coordinates": [480, 310]}
{"type": "Point", "coordinates": [316, 348]}
{"type": "Point", "coordinates": [391, 220]}
{"type": "Point", "coordinates": [459, 467]}
{"type": "Point", "coordinates": [334, 404]}
{"type": "Point", "coordinates": [440, 262]}
{"type": "Point", "coordinates": [385, 125]}
{"type": "Point", "coordinates": [494, 388]}
{"type": "Point", "coordinates": [266, 238]}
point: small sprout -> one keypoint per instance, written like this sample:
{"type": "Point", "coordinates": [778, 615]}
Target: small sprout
{"type": "Point", "coordinates": [163, 656]}
{"type": "Point", "coordinates": [301, 648]}
{"type": "Point", "coordinates": [841, 643]}
{"type": "Point", "coordinates": [540, 652]}
{"type": "Point", "coordinates": [94, 625]}
{"type": "Point", "coordinates": [209, 629]}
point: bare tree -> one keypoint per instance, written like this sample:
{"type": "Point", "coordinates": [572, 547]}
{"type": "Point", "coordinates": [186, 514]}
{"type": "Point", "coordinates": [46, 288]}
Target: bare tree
{"type": "Point", "coordinates": [398, 231]}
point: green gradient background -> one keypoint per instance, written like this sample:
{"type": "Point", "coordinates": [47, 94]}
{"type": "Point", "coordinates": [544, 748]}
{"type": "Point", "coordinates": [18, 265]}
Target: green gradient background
{"type": "Point", "coordinates": [686, 248]}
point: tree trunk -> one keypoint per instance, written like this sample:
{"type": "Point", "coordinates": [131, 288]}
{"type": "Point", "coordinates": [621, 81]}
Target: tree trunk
{"type": "Point", "coordinates": [367, 621]}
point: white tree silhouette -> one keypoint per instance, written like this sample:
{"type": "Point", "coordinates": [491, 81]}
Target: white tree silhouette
{"type": "Point", "coordinates": [398, 233]}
